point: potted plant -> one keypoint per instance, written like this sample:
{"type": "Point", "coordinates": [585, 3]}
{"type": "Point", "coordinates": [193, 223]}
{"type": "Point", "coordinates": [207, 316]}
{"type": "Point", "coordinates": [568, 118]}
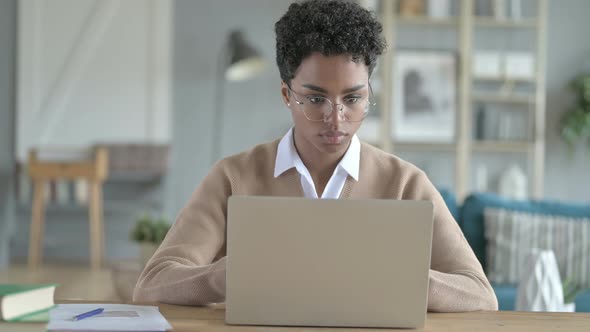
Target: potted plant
{"type": "Point", "coordinates": [575, 124]}
{"type": "Point", "coordinates": [149, 232]}
{"type": "Point", "coordinates": [571, 289]}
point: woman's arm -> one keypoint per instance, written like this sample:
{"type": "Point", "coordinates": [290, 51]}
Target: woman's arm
{"type": "Point", "coordinates": [457, 279]}
{"type": "Point", "coordinates": [187, 269]}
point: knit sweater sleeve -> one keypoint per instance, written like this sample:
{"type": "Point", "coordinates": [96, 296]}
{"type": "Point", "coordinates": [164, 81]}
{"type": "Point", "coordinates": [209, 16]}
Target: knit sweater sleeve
{"type": "Point", "coordinates": [457, 279]}
{"type": "Point", "coordinates": [183, 270]}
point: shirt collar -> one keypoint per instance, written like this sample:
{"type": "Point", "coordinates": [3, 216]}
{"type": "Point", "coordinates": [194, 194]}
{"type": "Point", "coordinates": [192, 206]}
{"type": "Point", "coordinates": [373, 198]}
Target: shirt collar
{"type": "Point", "coordinates": [287, 157]}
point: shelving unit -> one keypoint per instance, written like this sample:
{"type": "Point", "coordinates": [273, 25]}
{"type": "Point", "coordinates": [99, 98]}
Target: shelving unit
{"type": "Point", "coordinates": [504, 98]}
{"type": "Point", "coordinates": [499, 146]}
{"type": "Point", "coordinates": [531, 102]}
{"type": "Point", "coordinates": [420, 146]}
{"type": "Point", "coordinates": [491, 22]}
{"type": "Point", "coordinates": [504, 80]}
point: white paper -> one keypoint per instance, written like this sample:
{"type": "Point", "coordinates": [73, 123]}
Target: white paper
{"type": "Point", "coordinates": [116, 317]}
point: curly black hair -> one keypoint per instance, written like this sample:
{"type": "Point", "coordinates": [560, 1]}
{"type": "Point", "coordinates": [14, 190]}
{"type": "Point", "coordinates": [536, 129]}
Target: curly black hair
{"type": "Point", "coordinates": [330, 27]}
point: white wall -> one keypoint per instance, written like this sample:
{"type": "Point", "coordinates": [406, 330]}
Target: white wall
{"type": "Point", "coordinates": [7, 63]}
{"type": "Point", "coordinates": [93, 71]}
{"type": "Point", "coordinates": [254, 112]}
{"type": "Point", "coordinates": [567, 175]}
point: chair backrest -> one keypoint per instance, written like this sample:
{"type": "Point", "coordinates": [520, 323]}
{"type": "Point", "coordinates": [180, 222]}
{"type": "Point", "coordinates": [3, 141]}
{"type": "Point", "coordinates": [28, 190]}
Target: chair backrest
{"type": "Point", "coordinates": [96, 168]}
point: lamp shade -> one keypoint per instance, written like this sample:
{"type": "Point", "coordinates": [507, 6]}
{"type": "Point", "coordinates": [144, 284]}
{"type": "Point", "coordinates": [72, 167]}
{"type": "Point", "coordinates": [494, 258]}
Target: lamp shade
{"type": "Point", "coordinates": [244, 61]}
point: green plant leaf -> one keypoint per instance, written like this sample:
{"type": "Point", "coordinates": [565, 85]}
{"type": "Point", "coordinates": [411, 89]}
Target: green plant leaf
{"type": "Point", "coordinates": [570, 135]}
{"type": "Point", "coordinates": [571, 289]}
{"type": "Point", "coordinates": [150, 230]}
{"type": "Point", "coordinates": [575, 123]}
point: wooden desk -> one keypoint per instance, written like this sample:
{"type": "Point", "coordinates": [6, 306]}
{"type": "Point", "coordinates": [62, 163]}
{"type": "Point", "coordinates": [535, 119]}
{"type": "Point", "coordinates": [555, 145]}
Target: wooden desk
{"type": "Point", "coordinates": [185, 319]}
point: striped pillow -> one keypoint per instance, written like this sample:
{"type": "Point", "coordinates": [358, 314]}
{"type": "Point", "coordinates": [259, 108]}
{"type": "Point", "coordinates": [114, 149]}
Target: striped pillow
{"type": "Point", "coordinates": [511, 235]}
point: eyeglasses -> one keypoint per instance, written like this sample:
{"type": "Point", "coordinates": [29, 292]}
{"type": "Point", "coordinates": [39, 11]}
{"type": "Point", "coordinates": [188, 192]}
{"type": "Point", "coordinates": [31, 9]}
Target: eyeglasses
{"type": "Point", "coordinates": [319, 108]}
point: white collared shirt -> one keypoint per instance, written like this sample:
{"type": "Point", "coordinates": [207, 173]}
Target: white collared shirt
{"type": "Point", "coordinates": [287, 158]}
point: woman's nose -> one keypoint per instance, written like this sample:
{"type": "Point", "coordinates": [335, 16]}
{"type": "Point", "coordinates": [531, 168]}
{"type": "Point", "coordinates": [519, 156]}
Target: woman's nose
{"type": "Point", "coordinates": [336, 115]}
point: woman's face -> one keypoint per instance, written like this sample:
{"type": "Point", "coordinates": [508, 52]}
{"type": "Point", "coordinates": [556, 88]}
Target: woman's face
{"type": "Point", "coordinates": [340, 80]}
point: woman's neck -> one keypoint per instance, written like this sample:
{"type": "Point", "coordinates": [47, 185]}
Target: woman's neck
{"type": "Point", "coordinates": [320, 165]}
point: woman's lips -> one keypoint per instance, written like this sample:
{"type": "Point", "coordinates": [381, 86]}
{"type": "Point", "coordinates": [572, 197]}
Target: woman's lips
{"type": "Point", "coordinates": [333, 137]}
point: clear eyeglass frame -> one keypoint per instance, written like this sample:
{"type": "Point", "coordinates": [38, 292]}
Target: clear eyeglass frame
{"type": "Point", "coordinates": [320, 111]}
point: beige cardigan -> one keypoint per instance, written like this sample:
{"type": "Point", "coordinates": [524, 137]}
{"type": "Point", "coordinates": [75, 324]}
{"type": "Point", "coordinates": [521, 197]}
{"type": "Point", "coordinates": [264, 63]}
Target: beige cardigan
{"type": "Point", "coordinates": [189, 266]}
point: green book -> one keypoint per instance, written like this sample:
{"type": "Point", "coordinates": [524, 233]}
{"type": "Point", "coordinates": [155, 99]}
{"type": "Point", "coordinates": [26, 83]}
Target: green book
{"type": "Point", "coordinates": [35, 317]}
{"type": "Point", "coordinates": [17, 302]}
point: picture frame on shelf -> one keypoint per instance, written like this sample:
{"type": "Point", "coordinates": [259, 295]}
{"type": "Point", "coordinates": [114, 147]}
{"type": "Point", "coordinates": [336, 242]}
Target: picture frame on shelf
{"type": "Point", "coordinates": [425, 96]}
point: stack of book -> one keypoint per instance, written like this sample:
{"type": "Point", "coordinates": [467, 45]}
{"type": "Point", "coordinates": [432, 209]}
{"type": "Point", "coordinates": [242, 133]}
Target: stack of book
{"type": "Point", "coordinates": [26, 303]}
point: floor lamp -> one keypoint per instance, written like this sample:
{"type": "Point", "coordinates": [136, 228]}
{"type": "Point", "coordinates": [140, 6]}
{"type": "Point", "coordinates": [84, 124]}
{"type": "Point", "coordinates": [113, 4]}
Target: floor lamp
{"type": "Point", "coordinates": [238, 61]}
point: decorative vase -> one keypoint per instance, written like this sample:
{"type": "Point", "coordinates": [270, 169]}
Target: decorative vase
{"type": "Point", "coordinates": [568, 307]}
{"type": "Point", "coordinates": [147, 250]}
{"type": "Point", "coordinates": [513, 183]}
{"type": "Point", "coordinates": [540, 286]}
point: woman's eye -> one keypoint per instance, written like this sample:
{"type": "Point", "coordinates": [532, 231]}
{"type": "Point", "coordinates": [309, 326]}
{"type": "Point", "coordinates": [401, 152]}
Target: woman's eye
{"type": "Point", "coordinates": [352, 100]}
{"type": "Point", "coordinates": [316, 100]}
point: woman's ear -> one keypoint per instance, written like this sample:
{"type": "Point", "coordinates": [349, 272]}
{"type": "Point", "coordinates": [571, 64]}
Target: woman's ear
{"type": "Point", "coordinates": [285, 93]}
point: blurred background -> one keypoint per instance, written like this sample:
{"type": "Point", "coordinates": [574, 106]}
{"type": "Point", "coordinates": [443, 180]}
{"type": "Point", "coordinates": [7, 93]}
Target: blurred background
{"type": "Point", "coordinates": [112, 112]}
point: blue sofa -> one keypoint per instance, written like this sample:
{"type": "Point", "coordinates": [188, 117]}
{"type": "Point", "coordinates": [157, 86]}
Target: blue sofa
{"type": "Point", "coordinates": [470, 219]}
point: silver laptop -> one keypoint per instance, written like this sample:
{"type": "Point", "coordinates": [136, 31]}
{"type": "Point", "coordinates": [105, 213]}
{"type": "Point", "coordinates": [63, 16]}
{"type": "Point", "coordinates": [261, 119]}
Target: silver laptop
{"type": "Point", "coordinates": [340, 263]}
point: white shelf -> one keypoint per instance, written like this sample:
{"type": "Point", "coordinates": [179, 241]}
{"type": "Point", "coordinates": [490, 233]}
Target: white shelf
{"type": "Point", "coordinates": [502, 80]}
{"type": "Point", "coordinates": [501, 146]}
{"type": "Point", "coordinates": [505, 99]}
{"type": "Point", "coordinates": [425, 20]}
{"type": "Point", "coordinates": [492, 22]}
{"type": "Point", "coordinates": [424, 146]}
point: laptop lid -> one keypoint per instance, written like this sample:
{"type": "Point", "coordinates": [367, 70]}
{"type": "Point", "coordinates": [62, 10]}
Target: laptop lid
{"type": "Point", "coordinates": [308, 262]}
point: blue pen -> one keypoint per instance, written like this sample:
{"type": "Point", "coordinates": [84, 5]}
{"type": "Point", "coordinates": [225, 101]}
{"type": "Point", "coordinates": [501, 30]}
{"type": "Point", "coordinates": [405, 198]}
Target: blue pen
{"type": "Point", "coordinates": [88, 314]}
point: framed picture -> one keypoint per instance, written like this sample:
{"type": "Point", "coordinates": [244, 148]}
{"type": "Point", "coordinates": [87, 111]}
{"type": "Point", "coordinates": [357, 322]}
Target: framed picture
{"type": "Point", "coordinates": [425, 96]}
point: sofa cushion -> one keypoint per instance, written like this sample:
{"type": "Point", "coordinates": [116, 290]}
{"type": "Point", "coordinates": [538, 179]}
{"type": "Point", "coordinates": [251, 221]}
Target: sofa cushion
{"type": "Point", "coordinates": [511, 235]}
{"type": "Point", "coordinates": [472, 220]}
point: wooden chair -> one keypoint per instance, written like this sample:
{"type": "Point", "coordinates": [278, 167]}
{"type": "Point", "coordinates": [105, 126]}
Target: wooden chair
{"type": "Point", "coordinates": [94, 172]}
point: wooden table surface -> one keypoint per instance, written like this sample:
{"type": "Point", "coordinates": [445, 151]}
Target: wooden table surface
{"type": "Point", "coordinates": [212, 320]}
